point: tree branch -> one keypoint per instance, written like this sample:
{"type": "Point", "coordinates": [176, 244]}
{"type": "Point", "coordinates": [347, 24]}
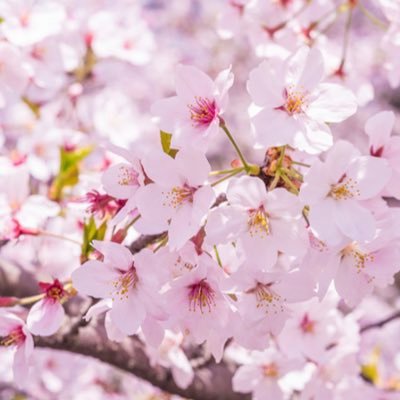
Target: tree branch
{"type": "Point", "coordinates": [379, 324]}
{"type": "Point", "coordinates": [210, 383]}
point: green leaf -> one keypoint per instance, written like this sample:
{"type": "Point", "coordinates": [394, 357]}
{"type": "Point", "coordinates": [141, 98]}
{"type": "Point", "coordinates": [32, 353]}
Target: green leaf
{"type": "Point", "coordinates": [34, 107]}
{"type": "Point", "coordinates": [91, 232]}
{"type": "Point", "coordinates": [68, 175]}
{"type": "Point", "coordinates": [166, 144]}
{"type": "Point", "coordinates": [1, 20]}
{"type": "Point", "coordinates": [369, 370]}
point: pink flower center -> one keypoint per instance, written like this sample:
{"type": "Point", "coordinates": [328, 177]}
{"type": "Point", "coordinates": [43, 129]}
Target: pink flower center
{"type": "Point", "coordinates": [127, 176]}
{"type": "Point", "coordinates": [284, 3]}
{"type": "Point", "coordinates": [376, 153]}
{"type": "Point", "coordinates": [54, 291]}
{"type": "Point", "coordinates": [345, 189]}
{"type": "Point", "coordinates": [125, 283]}
{"type": "Point", "coordinates": [179, 195]}
{"type": "Point", "coordinates": [295, 101]}
{"type": "Point", "coordinates": [266, 298]}
{"type": "Point", "coordinates": [307, 325]}
{"type": "Point", "coordinates": [202, 111]}
{"type": "Point", "coordinates": [258, 222]}
{"type": "Point", "coordinates": [24, 18]}
{"type": "Point", "coordinates": [38, 53]}
{"type": "Point", "coordinates": [359, 258]}
{"type": "Point", "coordinates": [271, 370]}
{"type": "Point", "coordinates": [15, 337]}
{"type": "Point", "coordinates": [201, 296]}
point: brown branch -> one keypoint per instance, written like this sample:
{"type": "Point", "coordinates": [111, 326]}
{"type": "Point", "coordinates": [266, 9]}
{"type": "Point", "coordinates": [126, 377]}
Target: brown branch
{"type": "Point", "coordinates": [210, 383]}
{"type": "Point", "coordinates": [143, 241]}
{"type": "Point", "coordinates": [381, 323]}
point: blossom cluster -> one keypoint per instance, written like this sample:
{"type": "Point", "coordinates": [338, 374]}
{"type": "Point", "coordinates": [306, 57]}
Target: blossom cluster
{"type": "Point", "coordinates": [252, 213]}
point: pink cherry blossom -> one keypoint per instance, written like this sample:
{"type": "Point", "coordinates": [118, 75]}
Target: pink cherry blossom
{"type": "Point", "coordinates": [311, 328]}
{"type": "Point", "coordinates": [335, 188]}
{"type": "Point", "coordinates": [13, 74]}
{"type": "Point", "coordinates": [123, 179]}
{"type": "Point", "coordinates": [198, 306]}
{"type": "Point", "coordinates": [122, 34]}
{"type": "Point", "coordinates": [379, 128]}
{"type": "Point", "coordinates": [127, 280]}
{"type": "Point", "coordinates": [193, 116]}
{"type": "Point", "coordinates": [264, 222]}
{"type": "Point", "coordinates": [28, 22]}
{"type": "Point", "coordinates": [261, 377]}
{"type": "Point", "coordinates": [291, 106]}
{"type": "Point", "coordinates": [264, 302]}
{"type": "Point", "coordinates": [47, 315]}
{"type": "Point", "coordinates": [177, 200]}
{"type": "Point", "coordinates": [15, 335]}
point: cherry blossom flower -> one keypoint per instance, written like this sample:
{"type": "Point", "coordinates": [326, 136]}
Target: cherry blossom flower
{"type": "Point", "coordinates": [176, 201]}
{"type": "Point", "coordinates": [311, 329]}
{"type": "Point", "coordinates": [193, 116]}
{"type": "Point", "coordinates": [264, 222]}
{"type": "Point", "coordinates": [379, 128]}
{"type": "Point", "coordinates": [47, 315]}
{"type": "Point", "coordinates": [17, 204]}
{"type": "Point", "coordinates": [292, 107]}
{"type": "Point", "coordinates": [129, 281]}
{"type": "Point", "coordinates": [261, 377]}
{"type": "Point", "coordinates": [123, 179]}
{"type": "Point", "coordinates": [13, 74]}
{"type": "Point", "coordinates": [335, 188]}
{"type": "Point", "coordinates": [170, 354]}
{"type": "Point", "coordinates": [264, 302]}
{"type": "Point", "coordinates": [28, 22]}
{"type": "Point", "coordinates": [198, 306]}
{"type": "Point", "coordinates": [15, 335]}
{"type": "Point", "coordinates": [123, 34]}
{"type": "Point", "coordinates": [357, 267]}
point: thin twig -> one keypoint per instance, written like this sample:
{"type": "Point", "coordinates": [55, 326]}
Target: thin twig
{"type": "Point", "coordinates": [379, 324]}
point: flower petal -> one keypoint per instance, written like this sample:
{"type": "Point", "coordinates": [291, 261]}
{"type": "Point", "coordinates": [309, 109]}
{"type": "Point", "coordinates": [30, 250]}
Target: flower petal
{"type": "Point", "coordinates": [332, 103]}
{"type": "Point", "coordinates": [94, 278]}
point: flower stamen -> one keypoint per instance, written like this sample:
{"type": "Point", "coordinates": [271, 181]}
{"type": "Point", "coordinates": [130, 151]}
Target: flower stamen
{"type": "Point", "coordinates": [179, 195]}
{"type": "Point", "coordinates": [15, 337]}
{"type": "Point", "coordinates": [345, 189]}
{"type": "Point", "coordinates": [127, 176]}
{"type": "Point", "coordinates": [258, 223]}
{"type": "Point", "coordinates": [125, 283]}
{"type": "Point", "coordinates": [202, 296]}
{"type": "Point", "coordinates": [203, 111]}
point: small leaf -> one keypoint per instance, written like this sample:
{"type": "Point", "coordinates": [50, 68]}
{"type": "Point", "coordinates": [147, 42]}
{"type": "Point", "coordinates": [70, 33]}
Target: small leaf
{"type": "Point", "coordinates": [34, 107]}
{"type": "Point", "coordinates": [369, 370]}
{"type": "Point", "coordinates": [166, 144]}
{"type": "Point", "coordinates": [91, 232]}
{"type": "Point", "coordinates": [165, 141]}
{"type": "Point", "coordinates": [68, 175]}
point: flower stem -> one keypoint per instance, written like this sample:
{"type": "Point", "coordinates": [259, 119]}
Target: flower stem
{"type": "Point", "coordinates": [228, 176]}
{"type": "Point", "coordinates": [225, 171]}
{"type": "Point", "coordinates": [132, 222]}
{"type": "Point", "coordinates": [31, 299]}
{"type": "Point", "coordinates": [57, 236]}
{"type": "Point", "coordinates": [302, 164]}
{"type": "Point", "coordinates": [232, 140]}
{"type": "Point", "coordinates": [375, 20]}
{"type": "Point", "coordinates": [162, 243]}
{"type": "Point", "coordinates": [288, 182]}
{"type": "Point", "coordinates": [218, 256]}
